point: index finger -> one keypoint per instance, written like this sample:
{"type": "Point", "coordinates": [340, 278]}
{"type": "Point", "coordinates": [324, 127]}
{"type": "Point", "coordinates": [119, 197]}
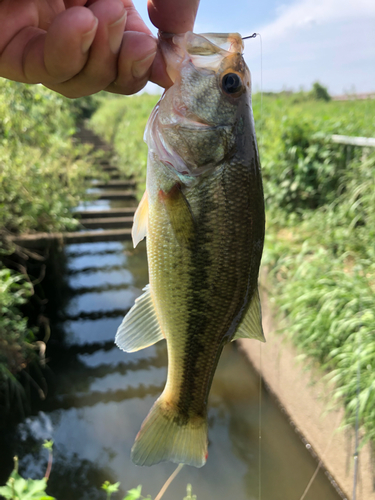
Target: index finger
{"type": "Point", "coordinates": [134, 21]}
{"type": "Point", "coordinates": [172, 16]}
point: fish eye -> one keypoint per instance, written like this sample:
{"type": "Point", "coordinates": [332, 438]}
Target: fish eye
{"type": "Point", "coordinates": [231, 83]}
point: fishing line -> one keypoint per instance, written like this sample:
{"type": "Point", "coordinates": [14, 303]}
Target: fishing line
{"type": "Point", "coordinates": [260, 424]}
{"type": "Point", "coordinates": [356, 450]}
{"type": "Point", "coordinates": [168, 482]}
{"type": "Point", "coordinates": [261, 87]}
{"type": "Point", "coordinates": [320, 463]}
{"type": "Point", "coordinates": [254, 35]}
{"type": "Point", "coordinates": [260, 344]}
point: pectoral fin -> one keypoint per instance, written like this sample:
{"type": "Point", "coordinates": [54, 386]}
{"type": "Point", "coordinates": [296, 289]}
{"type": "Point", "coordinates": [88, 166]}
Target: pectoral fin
{"type": "Point", "coordinates": [250, 326]}
{"type": "Point", "coordinates": [179, 213]}
{"type": "Point", "coordinates": [140, 328]}
{"type": "Point", "coordinates": [140, 224]}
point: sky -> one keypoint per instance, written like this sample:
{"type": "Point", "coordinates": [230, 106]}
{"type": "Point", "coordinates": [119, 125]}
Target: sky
{"type": "Point", "coordinates": [303, 41]}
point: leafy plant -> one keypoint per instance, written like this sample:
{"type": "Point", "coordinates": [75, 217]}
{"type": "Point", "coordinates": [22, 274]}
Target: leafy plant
{"type": "Point", "coordinates": [18, 488]}
{"type": "Point", "coordinates": [42, 167]}
{"type": "Point", "coordinates": [304, 172]}
{"type": "Point", "coordinates": [122, 121]}
{"type": "Point", "coordinates": [319, 92]}
{"type": "Point", "coordinates": [133, 494]}
{"type": "Point", "coordinates": [136, 493]}
{"type": "Point", "coordinates": [189, 493]}
{"type": "Point", "coordinates": [14, 332]}
{"type": "Point", "coordinates": [110, 488]}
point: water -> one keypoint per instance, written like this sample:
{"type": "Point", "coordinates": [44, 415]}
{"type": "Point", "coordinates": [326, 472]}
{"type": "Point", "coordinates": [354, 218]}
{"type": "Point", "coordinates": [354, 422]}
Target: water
{"type": "Point", "coordinates": [98, 396]}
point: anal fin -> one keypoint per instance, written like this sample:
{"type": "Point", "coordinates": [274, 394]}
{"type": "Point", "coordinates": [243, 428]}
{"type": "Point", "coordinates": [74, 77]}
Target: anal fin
{"type": "Point", "coordinates": [250, 326]}
{"type": "Point", "coordinates": [140, 328]}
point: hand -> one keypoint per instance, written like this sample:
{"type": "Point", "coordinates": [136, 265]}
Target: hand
{"type": "Point", "coordinates": [79, 47]}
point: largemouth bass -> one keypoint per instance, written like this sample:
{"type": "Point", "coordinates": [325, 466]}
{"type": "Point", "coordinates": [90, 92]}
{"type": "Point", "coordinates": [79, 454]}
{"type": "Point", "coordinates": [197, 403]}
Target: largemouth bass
{"type": "Point", "coordinates": [203, 215]}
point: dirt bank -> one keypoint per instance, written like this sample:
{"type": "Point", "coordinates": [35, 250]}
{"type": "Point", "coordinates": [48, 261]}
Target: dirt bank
{"type": "Point", "coordinates": [307, 398]}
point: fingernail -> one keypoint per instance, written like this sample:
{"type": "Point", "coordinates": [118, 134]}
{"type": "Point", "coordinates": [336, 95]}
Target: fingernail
{"type": "Point", "coordinates": [88, 37]}
{"type": "Point", "coordinates": [115, 33]}
{"type": "Point", "coordinates": [140, 68]}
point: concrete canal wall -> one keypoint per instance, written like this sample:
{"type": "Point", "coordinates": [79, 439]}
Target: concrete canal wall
{"type": "Point", "coordinates": [307, 399]}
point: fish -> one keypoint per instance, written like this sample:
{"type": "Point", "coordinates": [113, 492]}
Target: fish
{"type": "Point", "coordinates": [203, 218]}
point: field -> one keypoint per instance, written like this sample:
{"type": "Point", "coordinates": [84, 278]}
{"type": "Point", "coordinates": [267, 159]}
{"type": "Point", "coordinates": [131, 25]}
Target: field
{"type": "Point", "coordinates": [320, 200]}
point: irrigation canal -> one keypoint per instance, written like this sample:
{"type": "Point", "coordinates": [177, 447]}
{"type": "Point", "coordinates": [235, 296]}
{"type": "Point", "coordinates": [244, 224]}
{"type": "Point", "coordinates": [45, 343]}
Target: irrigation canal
{"type": "Point", "coordinates": [98, 396]}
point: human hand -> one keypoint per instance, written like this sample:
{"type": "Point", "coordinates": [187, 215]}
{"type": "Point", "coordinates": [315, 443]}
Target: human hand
{"type": "Point", "coordinates": [79, 47]}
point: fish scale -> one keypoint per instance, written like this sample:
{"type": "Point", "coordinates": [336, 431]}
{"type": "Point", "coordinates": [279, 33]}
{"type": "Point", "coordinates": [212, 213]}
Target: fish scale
{"type": "Point", "coordinates": [203, 216]}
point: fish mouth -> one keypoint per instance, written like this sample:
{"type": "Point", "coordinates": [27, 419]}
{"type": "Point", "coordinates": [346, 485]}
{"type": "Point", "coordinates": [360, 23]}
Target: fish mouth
{"type": "Point", "coordinates": [205, 51]}
{"type": "Point", "coordinates": [187, 119]}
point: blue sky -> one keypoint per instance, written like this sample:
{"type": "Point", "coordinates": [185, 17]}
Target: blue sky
{"type": "Point", "coordinates": [331, 41]}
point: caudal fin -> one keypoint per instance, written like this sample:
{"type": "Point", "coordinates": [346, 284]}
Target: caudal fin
{"type": "Point", "coordinates": [163, 437]}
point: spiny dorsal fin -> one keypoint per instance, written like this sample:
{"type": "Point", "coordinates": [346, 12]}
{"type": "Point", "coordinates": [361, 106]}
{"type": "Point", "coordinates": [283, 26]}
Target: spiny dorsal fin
{"type": "Point", "coordinates": [140, 328]}
{"type": "Point", "coordinates": [140, 224]}
{"type": "Point", "coordinates": [251, 324]}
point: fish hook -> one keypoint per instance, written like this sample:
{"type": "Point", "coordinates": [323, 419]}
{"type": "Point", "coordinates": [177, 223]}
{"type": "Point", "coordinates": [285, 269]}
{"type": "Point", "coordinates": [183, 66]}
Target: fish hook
{"type": "Point", "coordinates": [250, 36]}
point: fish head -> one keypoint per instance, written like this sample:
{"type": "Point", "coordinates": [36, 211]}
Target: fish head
{"type": "Point", "coordinates": [202, 114]}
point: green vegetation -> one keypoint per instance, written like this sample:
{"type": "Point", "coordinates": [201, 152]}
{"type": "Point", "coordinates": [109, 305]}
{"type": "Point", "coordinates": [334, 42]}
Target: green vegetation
{"type": "Point", "coordinates": [15, 335]}
{"type": "Point", "coordinates": [42, 176]}
{"type": "Point", "coordinates": [42, 167]}
{"type": "Point", "coordinates": [122, 121]}
{"type": "Point", "coordinates": [133, 494]}
{"type": "Point", "coordinates": [320, 251]}
{"type": "Point", "coordinates": [320, 200]}
{"type": "Point", "coordinates": [18, 488]}
{"type": "Point", "coordinates": [319, 92]}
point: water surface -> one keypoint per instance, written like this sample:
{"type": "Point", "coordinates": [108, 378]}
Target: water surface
{"type": "Point", "coordinates": [99, 395]}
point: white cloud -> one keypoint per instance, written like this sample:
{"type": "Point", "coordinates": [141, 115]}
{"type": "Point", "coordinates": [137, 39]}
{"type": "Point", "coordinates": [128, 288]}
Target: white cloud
{"type": "Point", "coordinates": [308, 13]}
{"type": "Point", "coordinates": [332, 41]}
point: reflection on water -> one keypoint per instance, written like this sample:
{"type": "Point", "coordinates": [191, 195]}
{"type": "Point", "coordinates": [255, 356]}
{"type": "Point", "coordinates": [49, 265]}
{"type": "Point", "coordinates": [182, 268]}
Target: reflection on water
{"type": "Point", "coordinates": [99, 396]}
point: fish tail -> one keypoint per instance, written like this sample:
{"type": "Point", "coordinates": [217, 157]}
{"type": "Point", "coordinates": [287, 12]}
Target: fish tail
{"type": "Point", "coordinates": [164, 435]}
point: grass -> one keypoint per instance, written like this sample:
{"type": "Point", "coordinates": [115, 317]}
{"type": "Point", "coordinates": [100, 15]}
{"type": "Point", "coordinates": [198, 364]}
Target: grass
{"type": "Point", "coordinates": [122, 121]}
{"type": "Point", "coordinates": [323, 276]}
